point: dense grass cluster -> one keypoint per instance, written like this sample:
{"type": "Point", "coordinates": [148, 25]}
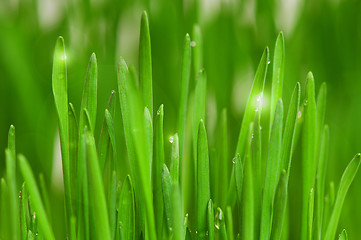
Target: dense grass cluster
{"type": "Point", "coordinates": [202, 189]}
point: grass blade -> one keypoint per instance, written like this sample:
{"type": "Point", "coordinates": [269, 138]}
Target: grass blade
{"type": "Point", "coordinates": [23, 210]}
{"type": "Point", "coordinates": [37, 203]}
{"type": "Point", "coordinates": [320, 180]}
{"type": "Point", "coordinates": [279, 207]}
{"type": "Point", "coordinates": [258, 170]}
{"type": "Point", "coordinates": [167, 191]}
{"type": "Point", "coordinates": [197, 45]}
{"type": "Point", "coordinates": [96, 191]}
{"type": "Point", "coordinates": [10, 158]}
{"type": "Point", "coordinates": [278, 73]}
{"type": "Point", "coordinates": [73, 150]}
{"type": "Point", "coordinates": [157, 171]}
{"type": "Point", "coordinates": [320, 114]}
{"type": "Point", "coordinates": [174, 160]}
{"type": "Point", "coordinates": [272, 172]}
{"type": "Point", "coordinates": [311, 202]}
{"type": "Point", "coordinates": [177, 214]}
{"type": "Point", "coordinates": [238, 173]}
{"type": "Point", "coordinates": [346, 180]}
{"type": "Point", "coordinates": [222, 170]}
{"type": "Point", "coordinates": [148, 128]}
{"type": "Point", "coordinates": [45, 196]}
{"type": "Point", "coordinates": [60, 88]}
{"type": "Point", "coordinates": [308, 149]}
{"type": "Point", "coordinates": [126, 211]}
{"type": "Point", "coordinates": [4, 233]}
{"type": "Point", "coordinates": [182, 115]}
{"type": "Point", "coordinates": [210, 220]}
{"type": "Point", "coordinates": [203, 189]}
{"type": "Point", "coordinates": [229, 222]}
{"type": "Point", "coordinates": [145, 63]}
{"type": "Point", "coordinates": [343, 235]}
{"type": "Point", "coordinates": [254, 101]}
{"type": "Point", "coordinates": [290, 130]}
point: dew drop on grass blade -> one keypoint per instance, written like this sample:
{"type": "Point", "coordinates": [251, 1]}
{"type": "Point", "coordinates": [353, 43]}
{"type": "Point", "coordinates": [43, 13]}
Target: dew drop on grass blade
{"type": "Point", "coordinates": [37, 203]}
{"type": "Point", "coordinates": [157, 171]}
{"type": "Point", "coordinates": [59, 86]}
{"type": "Point", "coordinates": [280, 203]}
{"type": "Point", "coordinates": [320, 180]}
{"type": "Point", "coordinates": [182, 115]}
{"type": "Point", "coordinates": [126, 211]}
{"type": "Point", "coordinates": [308, 149]}
{"type": "Point", "coordinates": [277, 74]}
{"type": "Point", "coordinates": [220, 225]}
{"type": "Point", "coordinates": [210, 220]}
{"type": "Point", "coordinates": [167, 191]}
{"type": "Point", "coordinates": [272, 172]}
{"type": "Point", "coordinates": [346, 180]}
{"type": "Point", "coordinates": [145, 63]}
{"type": "Point", "coordinates": [203, 189]}
{"type": "Point", "coordinates": [10, 158]}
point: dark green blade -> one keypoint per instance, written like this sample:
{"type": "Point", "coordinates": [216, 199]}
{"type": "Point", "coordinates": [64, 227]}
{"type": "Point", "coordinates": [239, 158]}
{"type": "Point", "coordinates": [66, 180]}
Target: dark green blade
{"type": "Point", "coordinates": [279, 207]}
{"type": "Point", "coordinates": [126, 210]}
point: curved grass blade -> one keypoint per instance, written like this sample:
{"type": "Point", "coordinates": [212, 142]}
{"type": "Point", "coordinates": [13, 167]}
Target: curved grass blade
{"type": "Point", "coordinates": [203, 189]}
{"type": "Point", "coordinates": [329, 201]}
{"type": "Point", "coordinates": [343, 235]}
{"type": "Point", "coordinates": [346, 180]}
{"type": "Point", "coordinates": [272, 172]}
{"type": "Point", "coordinates": [238, 173]}
{"type": "Point", "coordinates": [167, 191]}
{"type": "Point", "coordinates": [210, 220]}
{"type": "Point", "coordinates": [157, 171]}
{"type": "Point", "coordinates": [183, 104]}
{"type": "Point", "coordinates": [37, 203]}
{"type": "Point", "coordinates": [220, 225]}
{"type": "Point", "coordinates": [320, 114]}
{"type": "Point", "coordinates": [96, 191]}
{"type": "Point", "coordinates": [174, 160]}
{"type": "Point", "coordinates": [254, 100]}
{"type": "Point", "coordinates": [311, 202]}
{"type": "Point", "coordinates": [177, 214]}
{"type": "Point", "coordinates": [279, 207]}
{"type": "Point", "coordinates": [126, 211]}
{"type": "Point", "coordinates": [145, 63]}
{"type": "Point", "coordinates": [45, 195]}
{"type": "Point", "coordinates": [10, 158]}
{"type": "Point", "coordinates": [133, 122]}
{"type": "Point", "coordinates": [59, 86]}
{"type": "Point", "coordinates": [248, 192]}
{"type": "Point", "coordinates": [308, 149]}
{"type": "Point", "coordinates": [290, 130]}
{"type": "Point", "coordinates": [223, 178]}
{"type": "Point", "coordinates": [278, 73]}
{"type": "Point", "coordinates": [258, 170]}
{"type": "Point", "coordinates": [320, 180]}
{"type": "Point", "coordinates": [73, 150]}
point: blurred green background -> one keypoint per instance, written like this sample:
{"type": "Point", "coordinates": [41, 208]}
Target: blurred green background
{"type": "Point", "coordinates": [322, 36]}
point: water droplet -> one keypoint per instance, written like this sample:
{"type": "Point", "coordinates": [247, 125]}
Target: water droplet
{"type": "Point", "coordinates": [63, 57]}
{"type": "Point", "coordinates": [193, 44]}
{"type": "Point", "coordinates": [305, 102]}
{"type": "Point", "coordinates": [252, 136]}
{"type": "Point", "coordinates": [170, 229]}
{"type": "Point", "coordinates": [158, 112]}
{"type": "Point", "coordinates": [206, 233]}
{"type": "Point", "coordinates": [268, 62]}
{"type": "Point", "coordinates": [260, 127]}
{"type": "Point", "coordinates": [299, 114]}
{"type": "Point", "coordinates": [171, 139]}
{"type": "Point", "coordinates": [216, 225]}
{"type": "Point", "coordinates": [113, 91]}
{"type": "Point", "coordinates": [196, 231]}
{"type": "Point", "coordinates": [234, 160]}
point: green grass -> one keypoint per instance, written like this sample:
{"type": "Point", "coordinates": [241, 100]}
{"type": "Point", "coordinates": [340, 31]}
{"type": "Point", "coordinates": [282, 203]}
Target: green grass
{"type": "Point", "coordinates": [188, 188]}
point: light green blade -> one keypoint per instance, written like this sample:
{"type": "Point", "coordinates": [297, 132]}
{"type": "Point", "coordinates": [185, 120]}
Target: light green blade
{"type": "Point", "coordinates": [308, 149]}
{"type": "Point", "coordinates": [277, 74]}
{"type": "Point", "coordinates": [157, 171]}
{"type": "Point", "coordinates": [148, 128]}
{"type": "Point", "coordinates": [23, 211]}
{"type": "Point", "coordinates": [145, 63]}
{"type": "Point", "coordinates": [220, 225]}
{"type": "Point", "coordinates": [174, 160]}
{"type": "Point", "coordinates": [203, 189]}
{"type": "Point", "coordinates": [346, 180]}
{"type": "Point", "coordinates": [177, 213]}
{"type": "Point", "coordinates": [183, 105]}
{"type": "Point", "coordinates": [60, 88]}
{"type": "Point", "coordinates": [343, 235]}
{"type": "Point", "coordinates": [272, 172]}
{"type": "Point", "coordinates": [37, 203]}
{"type": "Point", "coordinates": [167, 192]}
{"type": "Point", "coordinates": [210, 220]}
{"type": "Point", "coordinates": [229, 223]}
